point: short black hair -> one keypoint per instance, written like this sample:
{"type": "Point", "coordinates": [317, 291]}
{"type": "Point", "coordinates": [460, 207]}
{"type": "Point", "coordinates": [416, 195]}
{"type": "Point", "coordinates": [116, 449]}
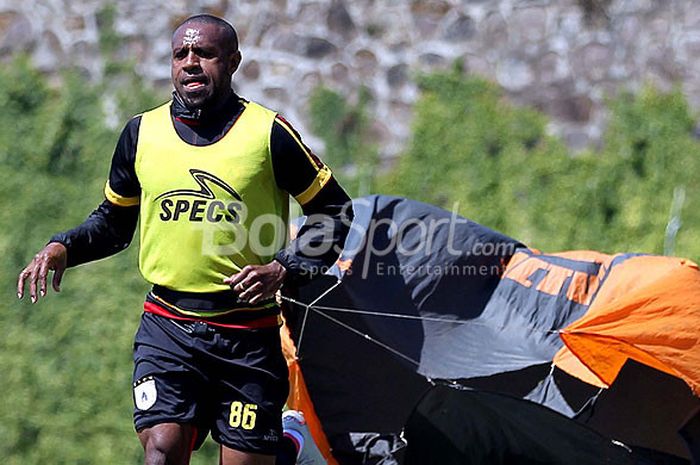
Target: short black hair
{"type": "Point", "coordinates": [230, 34]}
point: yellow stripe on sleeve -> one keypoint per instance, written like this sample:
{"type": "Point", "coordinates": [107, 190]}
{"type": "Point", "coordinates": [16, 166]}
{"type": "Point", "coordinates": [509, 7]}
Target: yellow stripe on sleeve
{"type": "Point", "coordinates": [120, 200]}
{"type": "Point", "coordinates": [324, 174]}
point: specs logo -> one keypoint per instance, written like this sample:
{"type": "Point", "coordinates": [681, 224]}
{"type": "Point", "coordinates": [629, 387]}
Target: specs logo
{"type": "Point", "coordinates": [202, 204]}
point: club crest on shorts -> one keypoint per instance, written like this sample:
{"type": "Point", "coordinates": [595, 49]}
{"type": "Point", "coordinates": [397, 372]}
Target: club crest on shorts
{"type": "Point", "coordinates": [145, 393]}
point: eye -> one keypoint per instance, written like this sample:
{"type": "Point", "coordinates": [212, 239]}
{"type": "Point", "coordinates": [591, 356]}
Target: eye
{"type": "Point", "coordinates": [205, 53]}
{"type": "Point", "coordinates": [180, 53]}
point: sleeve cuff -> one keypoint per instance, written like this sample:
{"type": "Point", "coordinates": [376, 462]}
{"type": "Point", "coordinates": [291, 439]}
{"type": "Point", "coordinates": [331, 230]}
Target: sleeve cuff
{"type": "Point", "coordinates": [296, 275]}
{"type": "Point", "coordinates": [120, 200]}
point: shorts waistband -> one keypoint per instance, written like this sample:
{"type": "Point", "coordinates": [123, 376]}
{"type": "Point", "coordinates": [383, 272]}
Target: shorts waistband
{"type": "Point", "coordinates": [255, 321]}
{"type": "Point", "coordinates": [206, 302]}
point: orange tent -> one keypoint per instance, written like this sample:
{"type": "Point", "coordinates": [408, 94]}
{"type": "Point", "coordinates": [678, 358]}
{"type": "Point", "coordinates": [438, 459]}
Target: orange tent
{"type": "Point", "coordinates": [653, 318]}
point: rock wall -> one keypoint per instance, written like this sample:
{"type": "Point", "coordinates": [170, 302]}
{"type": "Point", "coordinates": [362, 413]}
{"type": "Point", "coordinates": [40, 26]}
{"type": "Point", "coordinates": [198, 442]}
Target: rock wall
{"type": "Point", "coordinates": [563, 56]}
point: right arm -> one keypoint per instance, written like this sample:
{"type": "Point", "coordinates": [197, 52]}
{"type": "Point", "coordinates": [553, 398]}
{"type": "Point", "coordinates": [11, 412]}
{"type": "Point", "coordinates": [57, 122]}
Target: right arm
{"type": "Point", "coordinates": [108, 230]}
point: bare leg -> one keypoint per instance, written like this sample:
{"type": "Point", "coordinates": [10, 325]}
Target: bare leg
{"type": "Point", "coordinates": [236, 457]}
{"type": "Point", "coordinates": [167, 444]}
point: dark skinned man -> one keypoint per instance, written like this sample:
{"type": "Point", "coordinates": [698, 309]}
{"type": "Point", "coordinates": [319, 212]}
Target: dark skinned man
{"type": "Point", "coordinates": [209, 175]}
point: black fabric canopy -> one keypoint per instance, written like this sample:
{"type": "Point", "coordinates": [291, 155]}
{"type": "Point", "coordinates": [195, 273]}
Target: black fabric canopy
{"type": "Point", "coordinates": [408, 306]}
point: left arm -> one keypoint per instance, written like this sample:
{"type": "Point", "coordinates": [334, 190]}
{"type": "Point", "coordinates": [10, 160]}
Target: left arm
{"type": "Point", "coordinates": [326, 205]}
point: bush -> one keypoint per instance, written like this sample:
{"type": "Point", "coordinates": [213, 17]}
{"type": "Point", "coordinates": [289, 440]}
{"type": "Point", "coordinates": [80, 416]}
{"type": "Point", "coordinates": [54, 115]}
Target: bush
{"type": "Point", "coordinates": [495, 164]}
{"type": "Point", "coordinates": [345, 131]}
{"type": "Point", "coordinates": [65, 362]}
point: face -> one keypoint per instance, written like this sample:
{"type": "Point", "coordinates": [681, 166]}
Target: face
{"type": "Point", "coordinates": [202, 64]}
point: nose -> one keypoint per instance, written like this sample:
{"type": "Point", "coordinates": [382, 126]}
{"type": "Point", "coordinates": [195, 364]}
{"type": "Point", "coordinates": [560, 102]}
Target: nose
{"type": "Point", "coordinates": [191, 60]}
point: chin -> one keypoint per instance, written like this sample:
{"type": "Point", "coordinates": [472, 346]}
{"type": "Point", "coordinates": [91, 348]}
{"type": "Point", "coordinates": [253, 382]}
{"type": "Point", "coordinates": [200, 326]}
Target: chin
{"type": "Point", "coordinates": [195, 100]}
{"type": "Point", "coordinates": [194, 103]}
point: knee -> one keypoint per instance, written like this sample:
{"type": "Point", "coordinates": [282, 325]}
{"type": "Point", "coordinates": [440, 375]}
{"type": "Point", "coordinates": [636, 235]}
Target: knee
{"type": "Point", "coordinates": [165, 446]}
{"type": "Point", "coordinates": [156, 453]}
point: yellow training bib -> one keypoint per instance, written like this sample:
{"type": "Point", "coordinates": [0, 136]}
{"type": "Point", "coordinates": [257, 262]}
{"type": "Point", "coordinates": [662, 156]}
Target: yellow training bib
{"type": "Point", "coordinates": [207, 211]}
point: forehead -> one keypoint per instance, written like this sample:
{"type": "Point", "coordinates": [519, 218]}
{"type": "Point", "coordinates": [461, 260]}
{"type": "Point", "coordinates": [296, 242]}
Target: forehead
{"type": "Point", "coordinates": [194, 33]}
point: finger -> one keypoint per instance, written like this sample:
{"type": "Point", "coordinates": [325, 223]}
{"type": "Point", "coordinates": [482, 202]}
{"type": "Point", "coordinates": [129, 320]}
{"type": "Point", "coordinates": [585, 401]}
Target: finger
{"type": "Point", "coordinates": [43, 273]}
{"type": "Point", "coordinates": [251, 291]}
{"type": "Point", "coordinates": [248, 282]}
{"type": "Point", "coordinates": [20, 282]}
{"type": "Point", "coordinates": [57, 277]}
{"type": "Point", "coordinates": [238, 277]}
{"type": "Point", "coordinates": [34, 275]}
{"type": "Point", "coordinates": [259, 297]}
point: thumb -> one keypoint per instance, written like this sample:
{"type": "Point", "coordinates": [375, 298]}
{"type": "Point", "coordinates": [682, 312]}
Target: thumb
{"type": "Point", "coordinates": [57, 276]}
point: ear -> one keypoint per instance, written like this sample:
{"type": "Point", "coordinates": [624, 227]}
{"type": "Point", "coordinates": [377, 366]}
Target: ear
{"type": "Point", "coordinates": [234, 61]}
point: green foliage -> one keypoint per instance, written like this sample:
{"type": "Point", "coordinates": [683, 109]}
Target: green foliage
{"type": "Point", "coordinates": [66, 361]}
{"type": "Point", "coordinates": [109, 41]}
{"type": "Point", "coordinates": [650, 150]}
{"type": "Point", "coordinates": [125, 86]}
{"type": "Point", "coordinates": [473, 151]}
{"type": "Point", "coordinates": [345, 128]}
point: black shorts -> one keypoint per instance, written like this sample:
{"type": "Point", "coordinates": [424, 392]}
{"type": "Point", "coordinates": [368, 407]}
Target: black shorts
{"type": "Point", "coordinates": [232, 382]}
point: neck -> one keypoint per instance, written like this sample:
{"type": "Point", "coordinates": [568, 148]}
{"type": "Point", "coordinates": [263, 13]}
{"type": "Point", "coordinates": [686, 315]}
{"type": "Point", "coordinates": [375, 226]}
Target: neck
{"type": "Point", "coordinates": [185, 112]}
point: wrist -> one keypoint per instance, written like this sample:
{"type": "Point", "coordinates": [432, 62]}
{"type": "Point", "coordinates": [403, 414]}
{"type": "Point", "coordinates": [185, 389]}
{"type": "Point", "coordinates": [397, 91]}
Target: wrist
{"type": "Point", "coordinates": [57, 250]}
{"type": "Point", "coordinates": [280, 269]}
{"type": "Point", "coordinates": [59, 245]}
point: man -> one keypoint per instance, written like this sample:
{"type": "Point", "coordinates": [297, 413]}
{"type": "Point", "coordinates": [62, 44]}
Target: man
{"type": "Point", "coordinates": [209, 176]}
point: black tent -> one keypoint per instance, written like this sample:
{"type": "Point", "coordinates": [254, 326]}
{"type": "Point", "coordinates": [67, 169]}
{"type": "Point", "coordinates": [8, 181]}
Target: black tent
{"type": "Point", "coordinates": [416, 305]}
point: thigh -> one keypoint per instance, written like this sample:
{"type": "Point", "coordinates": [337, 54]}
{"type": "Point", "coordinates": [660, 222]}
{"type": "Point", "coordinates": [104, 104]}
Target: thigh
{"type": "Point", "coordinates": [252, 387]}
{"type": "Point", "coordinates": [167, 386]}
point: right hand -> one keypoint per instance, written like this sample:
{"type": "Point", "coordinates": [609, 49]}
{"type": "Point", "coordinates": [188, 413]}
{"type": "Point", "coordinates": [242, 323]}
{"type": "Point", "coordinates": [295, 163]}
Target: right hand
{"type": "Point", "coordinates": [52, 257]}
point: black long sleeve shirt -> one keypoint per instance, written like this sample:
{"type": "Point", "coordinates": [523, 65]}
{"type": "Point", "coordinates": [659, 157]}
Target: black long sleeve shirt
{"type": "Point", "coordinates": [110, 228]}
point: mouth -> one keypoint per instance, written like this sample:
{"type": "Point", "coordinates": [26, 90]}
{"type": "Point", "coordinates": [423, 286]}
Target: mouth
{"type": "Point", "coordinates": [194, 83]}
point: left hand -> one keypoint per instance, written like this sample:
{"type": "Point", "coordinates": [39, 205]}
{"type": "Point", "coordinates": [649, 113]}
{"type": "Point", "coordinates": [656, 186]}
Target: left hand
{"type": "Point", "coordinates": [255, 283]}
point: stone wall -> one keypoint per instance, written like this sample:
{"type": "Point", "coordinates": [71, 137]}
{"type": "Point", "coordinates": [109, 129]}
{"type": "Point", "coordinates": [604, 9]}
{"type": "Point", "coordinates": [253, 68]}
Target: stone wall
{"type": "Point", "coordinates": [563, 56]}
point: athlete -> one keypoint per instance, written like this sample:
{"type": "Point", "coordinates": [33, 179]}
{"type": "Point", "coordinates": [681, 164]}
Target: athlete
{"type": "Point", "coordinates": [209, 175]}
